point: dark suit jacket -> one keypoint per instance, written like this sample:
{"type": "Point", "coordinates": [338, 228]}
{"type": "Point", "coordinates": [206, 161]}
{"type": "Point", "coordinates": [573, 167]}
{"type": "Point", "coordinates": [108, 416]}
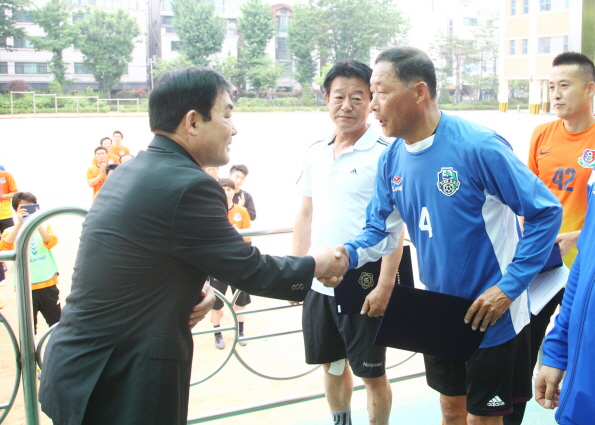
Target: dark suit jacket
{"type": "Point", "coordinates": [122, 352]}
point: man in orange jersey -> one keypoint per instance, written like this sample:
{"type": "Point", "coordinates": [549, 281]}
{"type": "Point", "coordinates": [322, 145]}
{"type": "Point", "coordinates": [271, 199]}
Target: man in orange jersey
{"type": "Point", "coordinates": [562, 155]}
{"type": "Point", "coordinates": [118, 148]}
{"type": "Point", "coordinates": [96, 172]}
{"type": "Point", "coordinates": [44, 270]}
{"type": "Point", "coordinates": [106, 142]}
{"type": "Point", "coordinates": [240, 219]}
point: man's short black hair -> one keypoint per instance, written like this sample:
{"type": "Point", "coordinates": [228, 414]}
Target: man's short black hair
{"type": "Point", "coordinates": [240, 167]}
{"type": "Point", "coordinates": [118, 132]}
{"type": "Point", "coordinates": [573, 58]}
{"type": "Point", "coordinates": [100, 147]}
{"type": "Point", "coordinates": [411, 65]}
{"type": "Point", "coordinates": [110, 167]}
{"type": "Point", "coordinates": [22, 196]}
{"type": "Point", "coordinates": [104, 138]}
{"type": "Point", "coordinates": [181, 91]}
{"type": "Point", "coordinates": [227, 182]}
{"type": "Point", "coordinates": [348, 69]}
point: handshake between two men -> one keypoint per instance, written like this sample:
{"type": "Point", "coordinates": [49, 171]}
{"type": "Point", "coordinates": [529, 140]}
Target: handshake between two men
{"type": "Point", "coordinates": [331, 265]}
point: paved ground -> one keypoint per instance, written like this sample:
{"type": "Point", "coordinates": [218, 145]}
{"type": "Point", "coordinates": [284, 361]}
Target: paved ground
{"type": "Point", "coordinates": [49, 157]}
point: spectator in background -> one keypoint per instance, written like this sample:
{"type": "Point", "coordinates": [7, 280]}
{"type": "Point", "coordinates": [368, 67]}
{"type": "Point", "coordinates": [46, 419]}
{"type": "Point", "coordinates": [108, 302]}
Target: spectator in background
{"type": "Point", "coordinates": [106, 142]}
{"type": "Point", "coordinates": [8, 188]}
{"type": "Point", "coordinates": [109, 168]}
{"type": "Point", "coordinates": [96, 172]}
{"type": "Point", "coordinates": [238, 174]}
{"type": "Point", "coordinates": [239, 218]}
{"type": "Point", "coordinates": [43, 267]}
{"type": "Point", "coordinates": [213, 172]}
{"type": "Point", "coordinates": [125, 158]}
{"type": "Point", "coordinates": [118, 148]}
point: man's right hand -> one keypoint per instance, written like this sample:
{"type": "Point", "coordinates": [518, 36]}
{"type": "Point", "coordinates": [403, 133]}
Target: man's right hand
{"type": "Point", "coordinates": [331, 265]}
{"type": "Point", "coordinates": [547, 388]}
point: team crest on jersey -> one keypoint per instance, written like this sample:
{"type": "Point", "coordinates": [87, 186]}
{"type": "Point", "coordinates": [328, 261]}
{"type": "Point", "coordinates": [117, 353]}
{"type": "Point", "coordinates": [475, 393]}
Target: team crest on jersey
{"type": "Point", "coordinates": [397, 180]}
{"type": "Point", "coordinates": [588, 159]}
{"type": "Point", "coordinates": [2, 180]}
{"type": "Point", "coordinates": [366, 280]}
{"type": "Point", "coordinates": [448, 181]}
{"type": "Point", "coordinates": [237, 217]}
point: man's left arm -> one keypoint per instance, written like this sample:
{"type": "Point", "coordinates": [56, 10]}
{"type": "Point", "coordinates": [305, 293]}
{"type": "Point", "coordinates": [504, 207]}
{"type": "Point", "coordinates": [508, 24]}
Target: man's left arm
{"type": "Point", "coordinates": [377, 299]}
{"type": "Point", "coordinates": [12, 187]}
{"type": "Point", "coordinates": [249, 205]}
{"type": "Point", "coordinates": [505, 177]}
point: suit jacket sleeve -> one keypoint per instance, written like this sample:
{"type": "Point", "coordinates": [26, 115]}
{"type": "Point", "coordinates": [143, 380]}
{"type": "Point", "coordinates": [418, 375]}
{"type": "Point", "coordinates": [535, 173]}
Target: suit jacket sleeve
{"type": "Point", "coordinates": [203, 237]}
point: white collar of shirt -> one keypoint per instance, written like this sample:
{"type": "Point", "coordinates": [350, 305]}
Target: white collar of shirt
{"type": "Point", "coordinates": [421, 145]}
{"type": "Point", "coordinates": [365, 142]}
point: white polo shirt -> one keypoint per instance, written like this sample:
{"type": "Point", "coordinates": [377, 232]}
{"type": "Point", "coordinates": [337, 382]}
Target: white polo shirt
{"type": "Point", "coordinates": [340, 190]}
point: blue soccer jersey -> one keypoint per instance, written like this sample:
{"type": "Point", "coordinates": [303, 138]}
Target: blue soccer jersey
{"type": "Point", "coordinates": [459, 193]}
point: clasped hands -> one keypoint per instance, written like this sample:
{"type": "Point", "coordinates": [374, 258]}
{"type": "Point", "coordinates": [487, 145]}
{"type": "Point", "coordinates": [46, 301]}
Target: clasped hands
{"type": "Point", "coordinates": [331, 265]}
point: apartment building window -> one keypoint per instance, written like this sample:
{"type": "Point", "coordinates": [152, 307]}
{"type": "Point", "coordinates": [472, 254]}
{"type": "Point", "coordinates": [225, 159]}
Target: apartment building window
{"type": "Point", "coordinates": [545, 5]}
{"type": "Point", "coordinates": [22, 43]}
{"type": "Point", "coordinates": [167, 20]}
{"type": "Point", "coordinates": [525, 46]}
{"type": "Point", "coordinates": [282, 24]}
{"type": "Point", "coordinates": [512, 7]}
{"type": "Point", "coordinates": [450, 27]}
{"type": "Point", "coordinates": [3, 67]}
{"type": "Point", "coordinates": [115, 4]}
{"type": "Point", "coordinates": [79, 16]}
{"type": "Point", "coordinates": [281, 49]}
{"type": "Point", "coordinates": [544, 44]}
{"type": "Point", "coordinates": [511, 47]}
{"type": "Point", "coordinates": [174, 46]}
{"type": "Point", "coordinates": [166, 5]}
{"type": "Point", "coordinates": [30, 68]}
{"type": "Point", "coordinates": [80, 68]}
{"type": "Point", "coordinates": [232, 27]}
{"type": "Point", "coordinates": [24, 16]}
{"type": "Point", "coordinates": [2, 41]}
{"type": "Point", "coordinates": [565, 44]}
{"type": "Point", "coordinates": [525, 6]}
{"type": "Point", "coordinates": [470, 21]}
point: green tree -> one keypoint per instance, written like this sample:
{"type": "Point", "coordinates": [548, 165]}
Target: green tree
{"type": "Point", "coordinates": [107, 41]}
{"type": "Point", "coordinates": [163, 65]}
{"type": "Point", "coordinates": [263, 74]}
{"type": "Point", "coordinates": [200, 30]}
{"type": "Point", "coordinates": [231, 69]}
{"type": "Point", "coordinates": [257, 27]}
{"type": "Point", "coordinates": [8, 24]}
{"type": "Point", "coordinates": [301, 43]}
{"type": "Point", "coordinates": [454, 53]}
{"type": "Point", "coordinates": [349, 29]}
{"type": "Point", "coordinates": [55, 19]}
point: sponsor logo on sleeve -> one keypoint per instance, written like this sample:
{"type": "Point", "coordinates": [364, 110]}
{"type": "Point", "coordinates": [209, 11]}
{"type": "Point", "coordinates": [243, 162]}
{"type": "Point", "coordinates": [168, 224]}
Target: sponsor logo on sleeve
{"type": "Point", "coordinates": [396, 183]}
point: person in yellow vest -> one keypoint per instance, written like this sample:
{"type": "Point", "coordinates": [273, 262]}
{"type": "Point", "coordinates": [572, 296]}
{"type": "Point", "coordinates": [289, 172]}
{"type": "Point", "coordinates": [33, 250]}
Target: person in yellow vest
{"type": "Point", "coordinates": [43, 267]}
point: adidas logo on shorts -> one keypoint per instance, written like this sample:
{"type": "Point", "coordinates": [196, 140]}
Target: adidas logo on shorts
{"type": "Point", "coordinates": [495, 402]}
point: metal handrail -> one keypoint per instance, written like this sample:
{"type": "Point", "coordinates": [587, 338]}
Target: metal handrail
{"type": "Point", "coordinates": [28, 355]}
{"type": "Point", "coordinates": [6, 407]}
{"type": "Point", "coordinates": [24, 304]}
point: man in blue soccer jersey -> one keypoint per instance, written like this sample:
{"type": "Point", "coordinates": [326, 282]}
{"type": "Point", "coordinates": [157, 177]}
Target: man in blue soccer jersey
{"type": "Point", "coordinates": [459, 187]}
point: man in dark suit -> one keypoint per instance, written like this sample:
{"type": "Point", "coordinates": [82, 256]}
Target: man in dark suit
{"type": "Point", "coordinates": [122, 353]}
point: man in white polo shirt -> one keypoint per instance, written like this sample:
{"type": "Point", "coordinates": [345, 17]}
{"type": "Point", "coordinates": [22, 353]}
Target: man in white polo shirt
{"type": "Point", "coordinates": [337, 183]}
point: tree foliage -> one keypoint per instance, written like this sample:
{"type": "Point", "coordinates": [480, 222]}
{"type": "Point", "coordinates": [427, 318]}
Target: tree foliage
{"type": "Point", "coordinates": [8, 24]}
{"type": "Point", "coordinates": [263, 73]}
{"type": "Point", "coordinates": [347, 29]}
{"type": "Point", "coordinates": [457, 55]}
{"type": "Point", "coordinates": [163, 65]}
{"type": "Point", "coordinates": [107, 41]}
{"type": "Point", "coordinates": [230, 68]}
{"type": "Point", "coordinates": [55, 19]}
{"type": "Point", "coordinates": [257, 27]}
{"type": "Point", "coordinates": [301, 43]}
{"type": "Point", "coordinates": [200, 30]}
